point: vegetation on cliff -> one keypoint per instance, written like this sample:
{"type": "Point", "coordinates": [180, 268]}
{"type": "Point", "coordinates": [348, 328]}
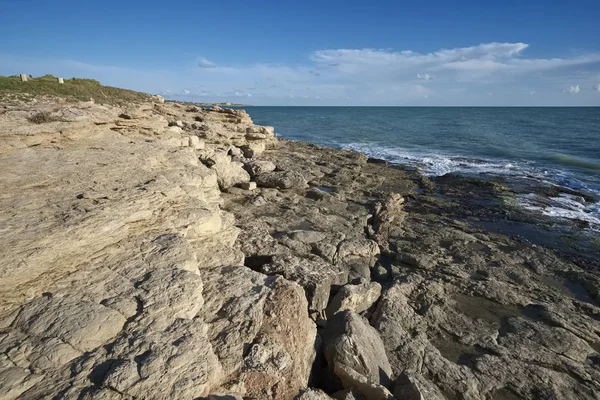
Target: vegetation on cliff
{"type": "Point", "coordinates": [81, 89]}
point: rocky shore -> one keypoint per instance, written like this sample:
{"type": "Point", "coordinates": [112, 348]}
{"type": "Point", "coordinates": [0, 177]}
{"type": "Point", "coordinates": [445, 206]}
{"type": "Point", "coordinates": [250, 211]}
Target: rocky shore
{"type": "Point", "coordinates": [165, 251]}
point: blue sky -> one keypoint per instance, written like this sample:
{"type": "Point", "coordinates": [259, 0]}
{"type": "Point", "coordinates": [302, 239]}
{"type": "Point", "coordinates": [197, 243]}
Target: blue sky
{"type": "Point", "coordinates": [316, 52]}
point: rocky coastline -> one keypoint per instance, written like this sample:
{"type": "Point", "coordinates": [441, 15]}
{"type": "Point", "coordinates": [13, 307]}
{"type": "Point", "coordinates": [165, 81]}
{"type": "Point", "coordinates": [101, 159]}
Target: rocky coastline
{"type": "Point", "coordinates": [166, 251]}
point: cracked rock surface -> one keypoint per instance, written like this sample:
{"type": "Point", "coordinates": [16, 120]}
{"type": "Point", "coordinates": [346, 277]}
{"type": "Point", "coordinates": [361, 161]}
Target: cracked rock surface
{"type": "Point", "coordinates": [137, 262]}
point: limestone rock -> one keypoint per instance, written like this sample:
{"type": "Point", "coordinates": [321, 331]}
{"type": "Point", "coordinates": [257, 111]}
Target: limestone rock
{"type": "Point", "coordinates": [248, 185]}
{"type": "Point", "coordinates": [350, 342]}
{"type": "Point", "coordinates": [356, 298]}
{"type": "Point", "coordinates": [359, 254]}
{"type": "Point", "coordinates": [253, 149]}
{"type": "Point", "coordinates": [196, 143]}
{"type": "Point", "coordinates": [307, 237]}
{"type": "Point", "coordinates": [415, 387]}
{"type": "Point", "coordinates": [220, 396]}
{"type": "Point", "coordinates": [229, 173]}
{"type": "Point", "coordinates": [316, 277]}
{"type": "Point", "coordinates": [82, 324]}
{"type": "Point", "coordinates": [369, 390]}
{"type": "Point", "coordinates": [313, 394]}
{"type": "Point", "coordinates": [260, 330]}
{"type": "Point", "coordinates": [281, 179]}
{"type": "Point", "coordinates": [258, 167]}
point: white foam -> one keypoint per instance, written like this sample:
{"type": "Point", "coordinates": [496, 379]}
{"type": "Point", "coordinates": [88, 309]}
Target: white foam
{"type": "Point", "coordinates": [564, 206]}
{"type": "Point", "coordinates": [436, 164]}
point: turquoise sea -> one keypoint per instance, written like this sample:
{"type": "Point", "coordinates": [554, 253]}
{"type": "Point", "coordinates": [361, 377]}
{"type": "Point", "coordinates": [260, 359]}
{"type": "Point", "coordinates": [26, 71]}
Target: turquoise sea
{"type": "Point", "coordinates": [556, 145]}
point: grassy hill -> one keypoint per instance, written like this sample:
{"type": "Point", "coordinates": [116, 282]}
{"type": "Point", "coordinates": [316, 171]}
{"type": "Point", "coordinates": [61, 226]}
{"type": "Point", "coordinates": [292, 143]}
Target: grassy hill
{"type": "Point", "coordinates": [72, 89]}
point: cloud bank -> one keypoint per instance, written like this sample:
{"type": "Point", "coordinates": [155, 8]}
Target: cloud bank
{"type": "Point", "coordinates": [458, 76]}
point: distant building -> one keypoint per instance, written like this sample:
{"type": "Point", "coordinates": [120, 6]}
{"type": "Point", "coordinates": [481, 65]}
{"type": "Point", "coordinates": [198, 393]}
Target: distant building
{"type": "Point", "coordinates": [227, 104]}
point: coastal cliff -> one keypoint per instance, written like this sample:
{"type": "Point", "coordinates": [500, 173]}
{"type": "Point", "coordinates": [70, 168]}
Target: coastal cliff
{"type": "Point", "coordinates": [161, 250]}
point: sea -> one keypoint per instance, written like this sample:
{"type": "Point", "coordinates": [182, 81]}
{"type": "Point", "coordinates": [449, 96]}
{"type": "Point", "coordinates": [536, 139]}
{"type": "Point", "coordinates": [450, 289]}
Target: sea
{"type": "Point", "coordinates": [551, 145]}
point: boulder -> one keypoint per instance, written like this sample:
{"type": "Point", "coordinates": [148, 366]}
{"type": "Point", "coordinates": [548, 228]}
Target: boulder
{"type": "Point", "coordinates": [356, 298]}
{"type": "Point", "coordinates": [235, 151]}
{"type": "Point", "coordinates": [412, 386]}
{"type": "Point", "coordinates": [315, 276]}
{"type": "Point", "coordinates": [350, 342]}
{"type": "Point", "coordinates": [229, 173]}
{"type": "Point", "coordinates": [260, 330]}
{"type": "Point", "coordinates": [253, 149]}
{"type": "Point", "coordinates": [281, 180]}
{"type": "Point", "coordinates": [257, 167]}
{"type": "Point", "coordinates": [359, 254]}
{"type": "Point", "coordinates": [369, 390]}
{"type": "Point", "coordinates": [248, 185]}
{"type": "Point", "coordinates": [196, 143]}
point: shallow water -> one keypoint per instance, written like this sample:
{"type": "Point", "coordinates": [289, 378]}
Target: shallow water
{"type": "Point", "coordinates": [555, 145]}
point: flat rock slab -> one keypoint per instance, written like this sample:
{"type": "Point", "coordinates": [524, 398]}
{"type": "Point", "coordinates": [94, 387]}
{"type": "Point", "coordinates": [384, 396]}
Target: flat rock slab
{"type": "Point", "coordinates": [82, 324]}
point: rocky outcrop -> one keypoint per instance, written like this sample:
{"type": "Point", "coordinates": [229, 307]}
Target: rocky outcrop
{"type": "Point", "coordinates": [114, 230]}
{"type": "Point", "coordinates": [165, 251]}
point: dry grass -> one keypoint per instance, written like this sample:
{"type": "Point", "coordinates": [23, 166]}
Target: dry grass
{"type": "Point", "coordinates": [44, 118]}
{"type": "Point", "coordinates": [73, 89]}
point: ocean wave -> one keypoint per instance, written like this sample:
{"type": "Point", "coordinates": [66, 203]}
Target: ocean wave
{"type": "Point", "coordinates": [574, 161]}
{"type": "Point", "coordinates": [564, 206]}
{"type": "Point", "coordinates": [436, 164]}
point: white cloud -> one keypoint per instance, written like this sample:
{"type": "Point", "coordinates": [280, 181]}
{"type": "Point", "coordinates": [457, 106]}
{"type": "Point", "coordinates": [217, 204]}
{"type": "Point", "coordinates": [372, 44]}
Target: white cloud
{"type": "Point", "coordinates": [205, 63]}
{"type": "Point", "coordinates": [597, 88]}
{"type": "Point", "coordinates": [459, 76]}
{"type": "Point", "coordinates": [573, 89]}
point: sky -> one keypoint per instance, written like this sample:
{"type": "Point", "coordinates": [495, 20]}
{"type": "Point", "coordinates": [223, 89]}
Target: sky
{"type": "Point", "coordinates": [316, 52]}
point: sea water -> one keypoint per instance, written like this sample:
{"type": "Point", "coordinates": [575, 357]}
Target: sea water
{"type": "Point", "coordinates": [556, 145]}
